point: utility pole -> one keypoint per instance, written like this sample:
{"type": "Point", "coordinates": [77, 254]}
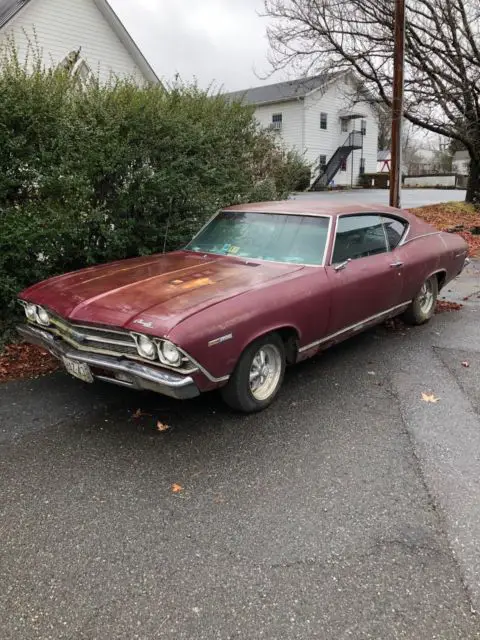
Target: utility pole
{"type": "Point", "coordinates": [397, 103]}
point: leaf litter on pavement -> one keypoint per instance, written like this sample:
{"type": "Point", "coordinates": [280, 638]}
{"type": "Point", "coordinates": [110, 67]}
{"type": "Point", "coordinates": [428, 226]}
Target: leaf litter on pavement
{"type": "Point", "coordinates": [429, 397]}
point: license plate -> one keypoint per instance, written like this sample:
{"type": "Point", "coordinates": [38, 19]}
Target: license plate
{"type": "Point", "coordinates": [78, 369]}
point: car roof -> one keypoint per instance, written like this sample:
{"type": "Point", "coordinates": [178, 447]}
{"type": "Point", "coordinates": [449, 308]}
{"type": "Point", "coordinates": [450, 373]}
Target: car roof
{"type": "Point", "coordinates": [324, 207]}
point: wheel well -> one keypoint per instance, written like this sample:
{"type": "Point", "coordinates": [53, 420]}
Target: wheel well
{"type": "Point", "coordinates": [290, 337]}
{"type": "Point", "coordinates": [441, 278]}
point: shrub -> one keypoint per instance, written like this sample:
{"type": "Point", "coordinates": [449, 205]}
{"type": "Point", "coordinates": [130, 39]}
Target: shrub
{"type": "Point", "coordinates": [96, 174]}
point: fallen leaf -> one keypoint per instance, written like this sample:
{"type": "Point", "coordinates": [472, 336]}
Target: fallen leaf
{"type": "Point", "coordinates": [139, 413]}
{"type": "Point", "coordinates": [177, 488]}
{"type": "Point", "coordinates": [22, 361]}
{"type": "Point", "coordinates": [162, 427]}
{"type": "Point", "coordinates": [465, 363]}
{"type": "Point", "coordinates": [446, 305]}
{"type": "Point", "coordinates": [429, 397]}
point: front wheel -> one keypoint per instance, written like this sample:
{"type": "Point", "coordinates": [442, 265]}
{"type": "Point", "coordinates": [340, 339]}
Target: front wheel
{"type": "Point", "coordinates": [258, 375]}
{"type": "Point", "coordinates": [422, 307]}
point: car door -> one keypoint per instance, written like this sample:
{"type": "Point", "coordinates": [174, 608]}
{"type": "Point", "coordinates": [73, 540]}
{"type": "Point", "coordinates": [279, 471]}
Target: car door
{"type": "Point", "coordinates": [365, 282]}
{"type": "Point", "coordinates": [415, 261]}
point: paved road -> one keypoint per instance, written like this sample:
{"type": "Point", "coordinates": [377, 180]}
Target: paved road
{"type": "Point", "coordinates": [410, 197]}
{"type": "Point", "coordinates": [349, 509]}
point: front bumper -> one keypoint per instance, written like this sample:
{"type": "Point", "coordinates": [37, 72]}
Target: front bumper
{"type": "Point", "coordinates": [119, 371]}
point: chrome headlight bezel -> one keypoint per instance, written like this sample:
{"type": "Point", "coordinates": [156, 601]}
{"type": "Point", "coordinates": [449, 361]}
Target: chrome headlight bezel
{"type": "Point", "coordinates": [43, 317]}
{"type": "Point", "coordinates": [36, 314]}
{"type": "Point", "coordinates": [166, 353]}
{"type": "Point", "coordinates": [30, 311]}
{"type": "Point", "coordinates": [143, 341]}
{"type": "Point", "coordinates": [169, 354]}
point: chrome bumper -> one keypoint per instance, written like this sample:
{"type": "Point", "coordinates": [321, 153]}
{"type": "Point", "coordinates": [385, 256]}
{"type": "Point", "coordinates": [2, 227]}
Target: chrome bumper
{"type": "Point", "coordinates": [116, 370]}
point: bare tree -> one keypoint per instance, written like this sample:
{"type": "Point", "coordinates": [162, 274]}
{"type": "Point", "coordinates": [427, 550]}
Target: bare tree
{"type": "Point", "coordinates": [384, 126]}
{"type": "Point", "coordinates": [442, 73]}
{"type": "Point", "coordinates": [411, 154]}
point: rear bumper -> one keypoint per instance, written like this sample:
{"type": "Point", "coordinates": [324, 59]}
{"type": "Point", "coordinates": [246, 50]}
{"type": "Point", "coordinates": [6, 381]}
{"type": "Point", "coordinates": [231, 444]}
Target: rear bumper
{"type": "Point", "coordinates": [121, 371]}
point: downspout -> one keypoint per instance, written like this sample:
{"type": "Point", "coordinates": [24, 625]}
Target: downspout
{"type": "Point", "coordinates": [361, 157]}
{"type": "Point", "coordinates": [302, 101]}
{"type": "Point", "coordinates": [351, 176]}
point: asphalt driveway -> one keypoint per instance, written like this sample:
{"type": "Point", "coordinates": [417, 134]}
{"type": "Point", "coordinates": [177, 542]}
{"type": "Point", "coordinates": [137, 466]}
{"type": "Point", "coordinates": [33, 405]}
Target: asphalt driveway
{"type": "Point", "coordinates": [349, 509]}
{"type": "Point", "coordinates": [410, 197]}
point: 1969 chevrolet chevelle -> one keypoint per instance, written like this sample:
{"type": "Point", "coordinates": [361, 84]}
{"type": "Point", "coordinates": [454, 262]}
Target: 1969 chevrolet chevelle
{"type": "Point", "coordinates": [259, 287]}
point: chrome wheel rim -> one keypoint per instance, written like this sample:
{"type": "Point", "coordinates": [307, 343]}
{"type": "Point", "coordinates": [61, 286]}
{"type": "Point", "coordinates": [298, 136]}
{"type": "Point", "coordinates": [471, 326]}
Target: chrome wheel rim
{"type": "Point", "coordinates": [426, 297]}
{"type": "Point", "coordinates": [265, 372]}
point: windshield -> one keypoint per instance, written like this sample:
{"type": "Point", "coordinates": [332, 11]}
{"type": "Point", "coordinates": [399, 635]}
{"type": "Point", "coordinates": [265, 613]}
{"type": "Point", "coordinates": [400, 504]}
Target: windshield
{"type": "Point", "coordinates": [265, 236]}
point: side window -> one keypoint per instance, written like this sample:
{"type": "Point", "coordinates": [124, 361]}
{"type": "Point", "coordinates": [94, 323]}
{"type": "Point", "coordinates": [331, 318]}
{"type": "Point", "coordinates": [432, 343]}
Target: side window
{"type": "Point", "coordinates": [323, 120]}
{"type": "Point", "coordinates": [358, 237]}
{"type": "Point", "coordinates": [395, 230]}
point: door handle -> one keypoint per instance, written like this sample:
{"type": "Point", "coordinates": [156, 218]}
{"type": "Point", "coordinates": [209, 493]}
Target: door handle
{"type": "Point", "coordinates": [397, 264]}
{"type": "Point", "coordinates": [342, 265]}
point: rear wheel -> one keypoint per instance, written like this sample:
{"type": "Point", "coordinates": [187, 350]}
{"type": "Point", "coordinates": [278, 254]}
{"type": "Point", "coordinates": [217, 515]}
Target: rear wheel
{"type": "Point", "coordinates": [258, 375]}
{"type": "Point", "coordinates": [422, 307]}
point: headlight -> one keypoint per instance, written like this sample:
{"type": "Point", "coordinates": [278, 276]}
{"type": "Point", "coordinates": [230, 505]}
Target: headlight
{"type": "Point", "coordinates": [170, 354]}
{"type": "Point", "coordinates": [43, 317]}
{"type": "Point", "coordinates": [146, 347]}
{"type": "Point", "coordinates": [31, 312]}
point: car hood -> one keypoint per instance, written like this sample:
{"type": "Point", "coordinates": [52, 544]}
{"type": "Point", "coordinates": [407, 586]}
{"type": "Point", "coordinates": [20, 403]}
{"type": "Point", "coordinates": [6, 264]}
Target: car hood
{"type": "Point", "coordinates": [152, 294]}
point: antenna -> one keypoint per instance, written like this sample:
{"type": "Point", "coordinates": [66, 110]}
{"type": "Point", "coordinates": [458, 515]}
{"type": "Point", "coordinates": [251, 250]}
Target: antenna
{"type": "Point", "coordinates": [167, 228]}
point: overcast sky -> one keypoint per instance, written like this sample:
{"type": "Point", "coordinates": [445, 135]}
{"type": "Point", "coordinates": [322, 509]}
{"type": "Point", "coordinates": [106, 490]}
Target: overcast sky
{"type": "Point", "coordinates": [220, 41]}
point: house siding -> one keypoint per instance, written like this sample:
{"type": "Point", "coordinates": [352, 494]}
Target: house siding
{"type": "Point", "coordinates": [57, 31]}
{"type": "Point", "coordinates": [332, 101]}
{"type": "Point", "coordinates": [292, 117]}
{"type": "Point", "coordinates": [301, 128]}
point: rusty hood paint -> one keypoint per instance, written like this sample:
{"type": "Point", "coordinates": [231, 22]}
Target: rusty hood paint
{"type": "Point", "coordinates": [152, 294]}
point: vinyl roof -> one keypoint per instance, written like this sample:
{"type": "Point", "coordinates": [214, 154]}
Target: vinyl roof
{"type": "Point", "coordinates": [327, 206]}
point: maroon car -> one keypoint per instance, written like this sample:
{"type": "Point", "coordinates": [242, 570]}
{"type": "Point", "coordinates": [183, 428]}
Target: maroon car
{"type": "Point", "coordinates": [260, 286]}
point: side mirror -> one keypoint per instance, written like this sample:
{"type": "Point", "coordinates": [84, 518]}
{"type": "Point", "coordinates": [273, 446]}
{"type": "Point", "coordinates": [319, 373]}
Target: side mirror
{"type": "Point", "coordinates": [341, 265]}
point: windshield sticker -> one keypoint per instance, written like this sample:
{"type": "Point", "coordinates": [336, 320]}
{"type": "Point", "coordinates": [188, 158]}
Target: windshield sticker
{"type": "Point", "coordinates": [233, 249]}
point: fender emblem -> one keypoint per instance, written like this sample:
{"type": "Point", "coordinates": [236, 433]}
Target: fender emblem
{"type": "Point", "coordinates": [144, 323]}
{"type": "Point", "coordinates": [229, 336]}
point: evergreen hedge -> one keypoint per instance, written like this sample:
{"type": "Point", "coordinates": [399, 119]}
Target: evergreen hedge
{"type": "Point", "coordinates": [89, 175]}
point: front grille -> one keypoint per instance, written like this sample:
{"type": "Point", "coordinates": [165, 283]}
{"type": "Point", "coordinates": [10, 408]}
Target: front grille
{"type": "Point", "coordinates": [94, 338]}
{"type": "Point", "coordinates": [105, 341]}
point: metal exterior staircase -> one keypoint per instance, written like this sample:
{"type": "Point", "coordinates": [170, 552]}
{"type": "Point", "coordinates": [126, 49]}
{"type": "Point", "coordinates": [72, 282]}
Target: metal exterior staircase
{"type": "Point", "coordinates": [354, 141]}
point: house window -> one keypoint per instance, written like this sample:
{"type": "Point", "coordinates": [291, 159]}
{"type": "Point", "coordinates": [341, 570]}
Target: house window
{"type": "Point", "coordinates": [343, 164]}
{"type": "Point", "coordinates": [322, 163]}
{"type": "Point", "coordinates": [362, 166]}
{"type": "Point", "coordinates": [344, 125]}
{"type": "Point", "coordinates": [363, 127]}
{"type": "Point", "coordinates": [277, 121]}
{"type": "Point", "coordinates": [323, 120]}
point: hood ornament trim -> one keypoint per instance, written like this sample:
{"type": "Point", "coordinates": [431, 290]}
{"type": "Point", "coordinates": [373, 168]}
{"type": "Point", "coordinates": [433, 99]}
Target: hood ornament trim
{"type": "Point", "coordinates": [144, 323]}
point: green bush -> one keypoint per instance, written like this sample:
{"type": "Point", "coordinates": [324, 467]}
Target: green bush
{"type": "Point", "coordinates": [95, 174]}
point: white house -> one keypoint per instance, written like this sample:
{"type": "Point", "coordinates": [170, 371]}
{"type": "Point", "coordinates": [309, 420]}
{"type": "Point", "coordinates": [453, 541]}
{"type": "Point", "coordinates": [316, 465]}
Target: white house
{"type": "Point", "coordinates": [87, 32]}
{"type": "Point", "coordinates": [461, 163]}
{"type": "Point", "coordinates": [322, 118]}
